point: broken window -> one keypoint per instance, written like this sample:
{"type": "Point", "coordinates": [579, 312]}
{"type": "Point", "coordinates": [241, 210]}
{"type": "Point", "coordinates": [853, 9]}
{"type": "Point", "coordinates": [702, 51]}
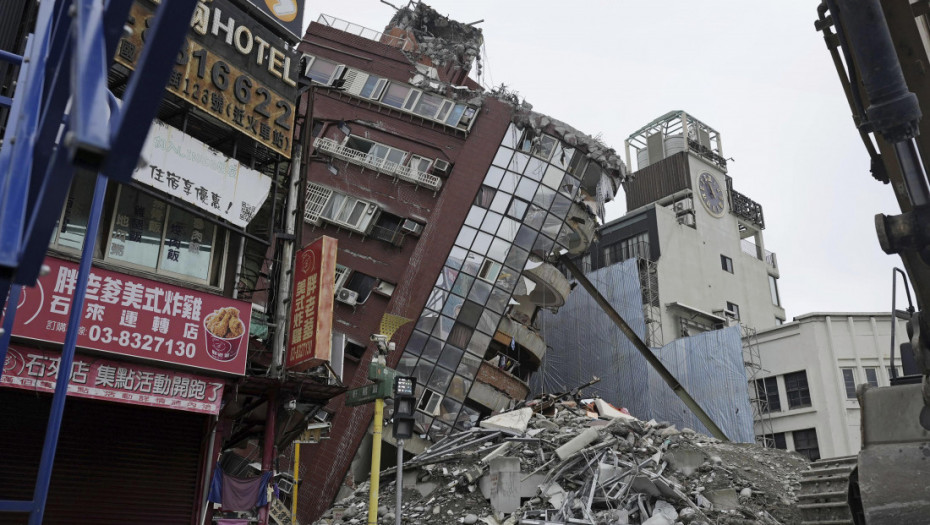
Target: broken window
{"type": "Point", "coordinates": [796, 387]}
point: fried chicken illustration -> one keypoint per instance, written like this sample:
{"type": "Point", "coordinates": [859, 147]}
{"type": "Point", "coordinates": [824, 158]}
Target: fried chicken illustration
{"type": "Point", "coordinates": [225, 323]}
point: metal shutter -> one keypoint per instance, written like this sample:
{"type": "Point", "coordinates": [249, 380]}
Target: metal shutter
{"type": "Point", "coordinates": [116, 463]}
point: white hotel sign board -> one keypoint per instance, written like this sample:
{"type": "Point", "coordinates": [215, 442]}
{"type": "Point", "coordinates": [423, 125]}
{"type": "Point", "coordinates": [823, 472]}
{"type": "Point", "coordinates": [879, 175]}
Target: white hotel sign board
{"type": "Point", "coordinates": [184, 167]}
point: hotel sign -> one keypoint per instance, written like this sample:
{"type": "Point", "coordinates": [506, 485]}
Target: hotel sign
{"type": "Point", "coordinates": [231, 67]}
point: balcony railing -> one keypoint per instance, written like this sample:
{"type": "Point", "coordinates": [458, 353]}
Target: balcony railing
{"type": "Point", "coordinates": [747, 208]}
{"type": "Point", "coordinates": [750, 248]}
{"type": "Point", "coordinates": [362, 31]}
{"type": "Point", "coordinates": [333, 148]}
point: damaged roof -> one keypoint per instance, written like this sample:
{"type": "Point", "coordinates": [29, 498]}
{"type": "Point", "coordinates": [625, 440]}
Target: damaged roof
{"type": "Point", "coordinates": [438, 37]}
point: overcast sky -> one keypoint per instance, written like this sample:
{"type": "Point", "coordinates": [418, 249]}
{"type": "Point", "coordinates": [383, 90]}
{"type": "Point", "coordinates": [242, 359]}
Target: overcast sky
{"type": "Point", "coordinates": [757, 72]}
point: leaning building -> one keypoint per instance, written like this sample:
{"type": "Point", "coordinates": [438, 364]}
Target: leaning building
{"type": "Point", "coordinates": [449, 203]}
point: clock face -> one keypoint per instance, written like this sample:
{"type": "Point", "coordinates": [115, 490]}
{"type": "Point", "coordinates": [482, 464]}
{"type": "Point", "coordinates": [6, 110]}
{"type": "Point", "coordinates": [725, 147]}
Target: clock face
{"type": "Point", "coordinates": [711, 194]}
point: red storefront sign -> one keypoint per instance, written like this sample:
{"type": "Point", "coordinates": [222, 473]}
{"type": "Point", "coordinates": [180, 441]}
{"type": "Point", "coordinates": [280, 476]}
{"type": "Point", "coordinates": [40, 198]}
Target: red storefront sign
{"type": "Point", "coordinates": [138, 317]}
{"type": "Point", "coordinates": [311, 327]}
{"type": "Point", "coordinates": [95, 378]}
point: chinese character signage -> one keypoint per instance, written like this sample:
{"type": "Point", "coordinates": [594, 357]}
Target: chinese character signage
{"type": "Point", "coordinates": [288, 14]}
{"type": "Point", "coordinates": [94, 378]}
{"type": "Point", "coordinates": [188, 169]}
{"type": "Point", "coordinates": [231, 67]}
{"type": "Point", "coordinates": [311, 327]}
{"type": "Point", "coordinates": [138, 317]}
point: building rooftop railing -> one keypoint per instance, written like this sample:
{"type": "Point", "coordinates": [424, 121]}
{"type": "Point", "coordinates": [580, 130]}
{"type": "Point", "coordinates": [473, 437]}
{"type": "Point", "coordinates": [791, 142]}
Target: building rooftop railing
{"type": "Point", "coordinates": [333, 148]}
{"type": "Point", "coordinates": [750, 248]}
{"type": "Point", "coordinates": [747, 208]}
{"type": "Point", "coordinates": [343, 25]}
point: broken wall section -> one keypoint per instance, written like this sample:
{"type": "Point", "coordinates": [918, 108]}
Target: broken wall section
{"type": "Point", "coordinates": [585, 343]}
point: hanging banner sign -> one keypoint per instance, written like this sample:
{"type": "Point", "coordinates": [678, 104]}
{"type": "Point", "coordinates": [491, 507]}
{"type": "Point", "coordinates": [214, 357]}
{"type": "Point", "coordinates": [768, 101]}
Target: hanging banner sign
{"type": "Point", "coordinates": [188, 169]}
{"type": "Point", "coordinates": [138, 317]}
{"type": "Point", "coordinates": [311, 325]}
{"type": "Point", "coordinates": [288, 14]}
{"type": "Point", "coordinates": [94, 378]}
{"type": "Point", "coordinates": [231, 67]}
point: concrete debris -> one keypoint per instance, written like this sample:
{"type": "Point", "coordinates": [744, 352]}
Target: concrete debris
{"type": "Point", "coordinates": [513, 422]}
{"type": "Point", "coordinates": [567, 467]}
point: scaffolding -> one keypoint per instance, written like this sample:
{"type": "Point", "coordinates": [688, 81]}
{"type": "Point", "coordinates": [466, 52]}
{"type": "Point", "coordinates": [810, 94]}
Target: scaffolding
{"type": "Point", "coordinates": [649, 291]}
{"type": "Point", "coordinates": [761, 416]}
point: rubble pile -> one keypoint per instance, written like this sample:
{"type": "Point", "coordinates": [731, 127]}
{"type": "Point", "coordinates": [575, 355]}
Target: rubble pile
{"type": "Point", "coordinates": [523, 467]}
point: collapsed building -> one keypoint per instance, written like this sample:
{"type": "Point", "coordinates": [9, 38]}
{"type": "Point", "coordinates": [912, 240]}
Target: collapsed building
{"type": "Point", "coordinates": [558, 461]}
{"type": "Point", "coordinates": [448, 203]}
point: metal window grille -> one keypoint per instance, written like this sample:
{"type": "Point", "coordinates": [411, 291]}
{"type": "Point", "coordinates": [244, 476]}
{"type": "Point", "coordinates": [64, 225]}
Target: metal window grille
{"type": "Point", "coordinates": [317, 197]}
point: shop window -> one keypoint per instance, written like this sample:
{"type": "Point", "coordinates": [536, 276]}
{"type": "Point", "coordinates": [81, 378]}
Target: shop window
{"type": "Point", "coordinates": [767, 392]}
{"type": "Point", "coordinates": [796, 387]}
{"type": "Point", "coordinates": [805, 443]}
{"type": "Point", "coordinates": [849, 381]}
{"type": "Point", "coordinates": [146, 234]}
{"type": "Point", "coordinates": [726, 263]}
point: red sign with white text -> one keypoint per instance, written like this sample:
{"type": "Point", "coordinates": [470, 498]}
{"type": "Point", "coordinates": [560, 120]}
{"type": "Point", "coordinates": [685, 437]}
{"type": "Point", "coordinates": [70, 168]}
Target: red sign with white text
{"type": "Point", "coordinates": [311, 328]}
{"type": "Point", "coordinates": [95, 378]}
{"type": "Point", "coordinates": [138, 317]}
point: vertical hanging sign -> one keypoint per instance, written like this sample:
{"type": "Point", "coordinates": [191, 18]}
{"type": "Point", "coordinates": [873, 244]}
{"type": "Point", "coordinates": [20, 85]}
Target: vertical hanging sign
{"type": "Point", "coordinates": [311, 323]}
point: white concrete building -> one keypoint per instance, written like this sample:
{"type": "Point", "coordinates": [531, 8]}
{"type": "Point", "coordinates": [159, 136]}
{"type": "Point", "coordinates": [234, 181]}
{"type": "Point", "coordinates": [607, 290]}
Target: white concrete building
{"type": "Point", "coordinates": [704, 260]}
{"type": "Point", "coordinates": [811, 368]}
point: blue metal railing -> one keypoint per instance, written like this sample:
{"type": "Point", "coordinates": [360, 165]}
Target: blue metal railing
{"type": "Point", "coordinates": [36, 167]}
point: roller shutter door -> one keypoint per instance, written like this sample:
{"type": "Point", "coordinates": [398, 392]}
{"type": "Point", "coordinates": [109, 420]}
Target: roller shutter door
{"type": "Point", "coordinates": [116, 463]}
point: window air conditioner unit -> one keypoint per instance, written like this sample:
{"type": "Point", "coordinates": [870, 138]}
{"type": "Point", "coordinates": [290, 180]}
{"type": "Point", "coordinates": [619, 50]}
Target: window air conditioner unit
{"type": "Point", "coordinates": [411, 227]}
{"type": "Point", "coordinates": [441, 167]}
{"type": "Point", "coordinates": [349, 297]}
{"type": "Point", "coordinates": [686, 218]}
{"type": "Point", "coordinates": [679, 206]}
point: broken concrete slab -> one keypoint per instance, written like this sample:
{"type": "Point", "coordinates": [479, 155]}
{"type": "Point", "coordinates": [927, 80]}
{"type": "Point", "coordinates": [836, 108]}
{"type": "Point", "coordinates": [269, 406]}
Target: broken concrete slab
{"type": "Point", "coordinates": [686, 460]}
{"type": "Point", "coordinates": [607, 410]}
{"type": "Point", "coordinates": [504, 487]}
{"type": "Point", "coordinates": [513, 422]}
{"type": "Point", "coordinates": [725, 499]}
{"type": "Point", "coordinates": [590, 435]}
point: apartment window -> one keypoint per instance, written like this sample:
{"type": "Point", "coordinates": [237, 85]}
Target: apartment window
{"type": "Point", "coordinates": [773, 287]}
{"type": "Point", "coordinates": [733, 308]}
{"type": "Point", "coordinates": [373, 87]}
{"type": "Point", "coordinates": [779, 321]}
{"type": "Point", "coordinates": [338, 208]}
{"type": "Point", "coordinates": [805, 443]}
{"type": "Point", "coordinates": [799, 394]}
{"type": "Point", "coordinates": [396, 95]}
{"type": "Point", "coordinates": [377, 154]}
{"type": "Point", "coordinates": [871, 376]}
{"type": "Point", "coordinates": [420, 164]}
{"type": "Point", "coordinates": [361, 284]}
{"type": "Point", "coordinates": [323, 71]}
{"type": "Point", "coordinates": [849, 381]}
{"type": "Point", "coordinates": [726, 263]}
{"type": "Point", "coordinates": [767, 392]}
{"type": "Point", "coordinates": [387, 228]}
{"type": "Point", "coordinates": [428, 105]}
{"type": "Point", "coordinates": [635, 246]}
{"type": "Point", "coordinates": [893, 372]}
